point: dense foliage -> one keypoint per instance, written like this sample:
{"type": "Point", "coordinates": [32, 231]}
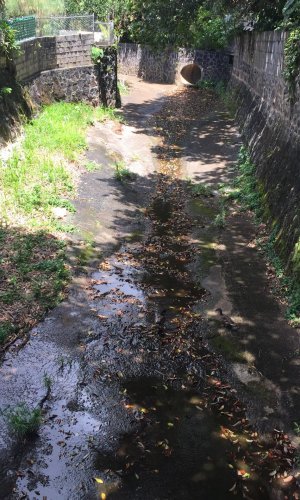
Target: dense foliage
{"type": "Point", "coordinates": [118, 10]}
{"type": "Point", "coordinates": [291, 13]}
{"type": "Point", "coordinates": [16, 8]}
{"type": "Point", "coordinates": [8, 44]}
{"type": "Point", "coordinates": [292, 59]}
{"type": "Point", "coordinates": [201, 23]}
{"type": "Point", "coordinates": [211, 30]}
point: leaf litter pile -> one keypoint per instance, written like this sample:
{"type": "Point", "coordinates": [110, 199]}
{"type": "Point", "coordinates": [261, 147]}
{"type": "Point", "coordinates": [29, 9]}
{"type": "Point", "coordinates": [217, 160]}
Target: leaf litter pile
{"type": "Point", "coordinates": [168, 329]}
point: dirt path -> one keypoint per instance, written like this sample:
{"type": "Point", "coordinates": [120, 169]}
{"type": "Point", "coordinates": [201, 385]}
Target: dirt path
{"type": "Point", "coordinates": [140, 407]}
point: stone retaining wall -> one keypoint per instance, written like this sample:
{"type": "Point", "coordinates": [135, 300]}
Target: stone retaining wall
{"type": "Point", "coordinates": [55, 68]}
{"type": "Point", "coordinates": [269, 121]}
{"type": "Point", "coordinates": [165, 66]}
{"type": "Point", "coordinates": [70, 85]}
{"type": "Point", "coordinates": [42, 54]}
{"type": "Point", "coordinates": [91, 84]}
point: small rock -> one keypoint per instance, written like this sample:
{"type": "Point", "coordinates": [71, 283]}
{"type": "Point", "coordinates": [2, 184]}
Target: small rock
{"type": "Point", "coordinates": [59, 213]}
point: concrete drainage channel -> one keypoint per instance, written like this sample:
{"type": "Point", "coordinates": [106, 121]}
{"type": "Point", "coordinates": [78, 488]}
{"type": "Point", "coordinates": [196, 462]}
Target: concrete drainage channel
{"type": "Point", "coordinates": [139, 406]}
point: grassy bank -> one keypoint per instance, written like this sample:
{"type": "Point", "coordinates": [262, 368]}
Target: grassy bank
{"type": "Point", "coordinates": [38, 177]}
{"type": "Point", "coordinates": [41, 172]}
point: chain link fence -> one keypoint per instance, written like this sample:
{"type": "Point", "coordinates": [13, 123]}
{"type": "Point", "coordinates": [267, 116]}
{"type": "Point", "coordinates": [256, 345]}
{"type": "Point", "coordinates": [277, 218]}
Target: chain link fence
{"type": "Point", "coordinates": [65, 25]}
{"type": "Point", "coordinates": [31, 27]}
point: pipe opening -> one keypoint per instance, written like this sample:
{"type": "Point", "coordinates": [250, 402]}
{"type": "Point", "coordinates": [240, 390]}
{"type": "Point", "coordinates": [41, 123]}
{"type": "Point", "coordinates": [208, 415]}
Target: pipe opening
{"type": "Point", "coordinates": [191, 73]}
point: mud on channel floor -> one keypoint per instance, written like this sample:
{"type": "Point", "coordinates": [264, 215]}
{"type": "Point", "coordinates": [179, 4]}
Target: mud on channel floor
{"type": "Point", "coordinates": [140, 406]}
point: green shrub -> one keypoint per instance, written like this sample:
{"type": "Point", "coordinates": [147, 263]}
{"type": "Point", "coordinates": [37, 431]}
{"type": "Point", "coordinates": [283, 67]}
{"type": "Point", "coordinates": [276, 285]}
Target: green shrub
{"type": "Point", "coordinates": [9, 47]}
{"type": "Point", "coordinates": [292, 59]}
{"type": "Point", "coordinates": [210, 30]}
{"type": "Point", "coordinates": [97, 55]}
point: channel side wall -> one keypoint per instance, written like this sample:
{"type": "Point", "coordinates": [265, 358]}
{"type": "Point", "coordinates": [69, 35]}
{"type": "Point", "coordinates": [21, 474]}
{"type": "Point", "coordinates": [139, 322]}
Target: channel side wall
{"type": "Point", "coordinates": [269, 119]}
{"type": "Point", "coordinates": [55, 68]}
{"type": "Point", "coordinates": [165, 66]}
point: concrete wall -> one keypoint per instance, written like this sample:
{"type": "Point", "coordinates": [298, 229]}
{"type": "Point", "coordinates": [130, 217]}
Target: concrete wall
{"type": "Point", "coordinates": [47, 53]}
{"type": "Point", "coordinates": [269, 120]}
{"type": "Point", "coordinates": [165, 66]}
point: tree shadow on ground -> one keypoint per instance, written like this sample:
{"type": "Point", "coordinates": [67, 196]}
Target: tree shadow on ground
{"type": "Point", "coordinates": [263, 333]}
{"type": "Point", "coordinates": [176, 450]}
{"type": "Point", "coordinates": [210, 137]}
{"type": "Point", "coordinates": [121, 210]}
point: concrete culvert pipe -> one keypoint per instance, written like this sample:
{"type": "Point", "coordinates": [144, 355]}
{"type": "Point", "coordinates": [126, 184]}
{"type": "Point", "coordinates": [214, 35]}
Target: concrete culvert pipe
{"type": "Point", "coordinates": [191, 73]}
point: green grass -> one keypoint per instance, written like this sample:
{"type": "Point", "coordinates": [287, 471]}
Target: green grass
{"type": "Point", "coordinates": [92, 166]}
{"type": "Point", "coordinates": [6, 329]}
{"type": "Point", "coordinates": [200, 189]}
{"type": "Point", "coordinates": [23, 421]}
{"type": "Point", "coordinates": [87, 252]}
{"type": "Point", "coordinates": [122, 173]}
{"type": "Point", "coordinates": [15, 8]}
{"type": "Point", "coordinates": [206, 84]}
{"type": "Point", "coordinates": [220, 219]}
{"type": "Point", "coordinates": [101, 114]}
{"type": "Point", "coordinates": [39, 175]}
{"type": "Point", "coordinates": [123, 87]}
{"type": "Point", "coordinates": [33, 277]}
{"type": "Point", "coordinates": [225, 94]}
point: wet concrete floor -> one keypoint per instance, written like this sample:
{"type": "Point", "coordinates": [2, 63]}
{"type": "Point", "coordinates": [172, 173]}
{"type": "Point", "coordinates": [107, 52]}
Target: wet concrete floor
{"type": "Point", "coordinates": [140, 407]}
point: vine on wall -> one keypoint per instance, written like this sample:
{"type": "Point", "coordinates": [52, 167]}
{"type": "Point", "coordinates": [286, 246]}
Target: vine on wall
{"type": "Point", "coordinates": [292, 59]}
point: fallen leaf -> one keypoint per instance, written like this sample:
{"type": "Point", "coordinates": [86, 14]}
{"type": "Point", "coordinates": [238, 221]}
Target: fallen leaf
{"type": "Point", "coordinates": [288, 479]}
{"type": "Point", "coordinates": [273, 473]}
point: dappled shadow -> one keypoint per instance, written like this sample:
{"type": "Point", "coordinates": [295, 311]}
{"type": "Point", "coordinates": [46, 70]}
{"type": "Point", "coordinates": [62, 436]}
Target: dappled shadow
{"type": "Point", "coordinates": [263, 333]}
{"type": "Point", "coordinates": [33, 278]}
{"type": "Point", "coordinates": [210, 137]}
{"type": "Point", "coordinates": [174, 451]}
{"type": "Point", "coordinates": [264, 339]}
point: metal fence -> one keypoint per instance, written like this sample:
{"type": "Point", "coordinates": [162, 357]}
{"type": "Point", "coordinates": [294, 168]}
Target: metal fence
{"type": "Point", "coordinates": [31, 27]}
{"type": "Point", "coordinates": [65, 25]}
{"type": "Point", "coordinates": [24, 27]}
